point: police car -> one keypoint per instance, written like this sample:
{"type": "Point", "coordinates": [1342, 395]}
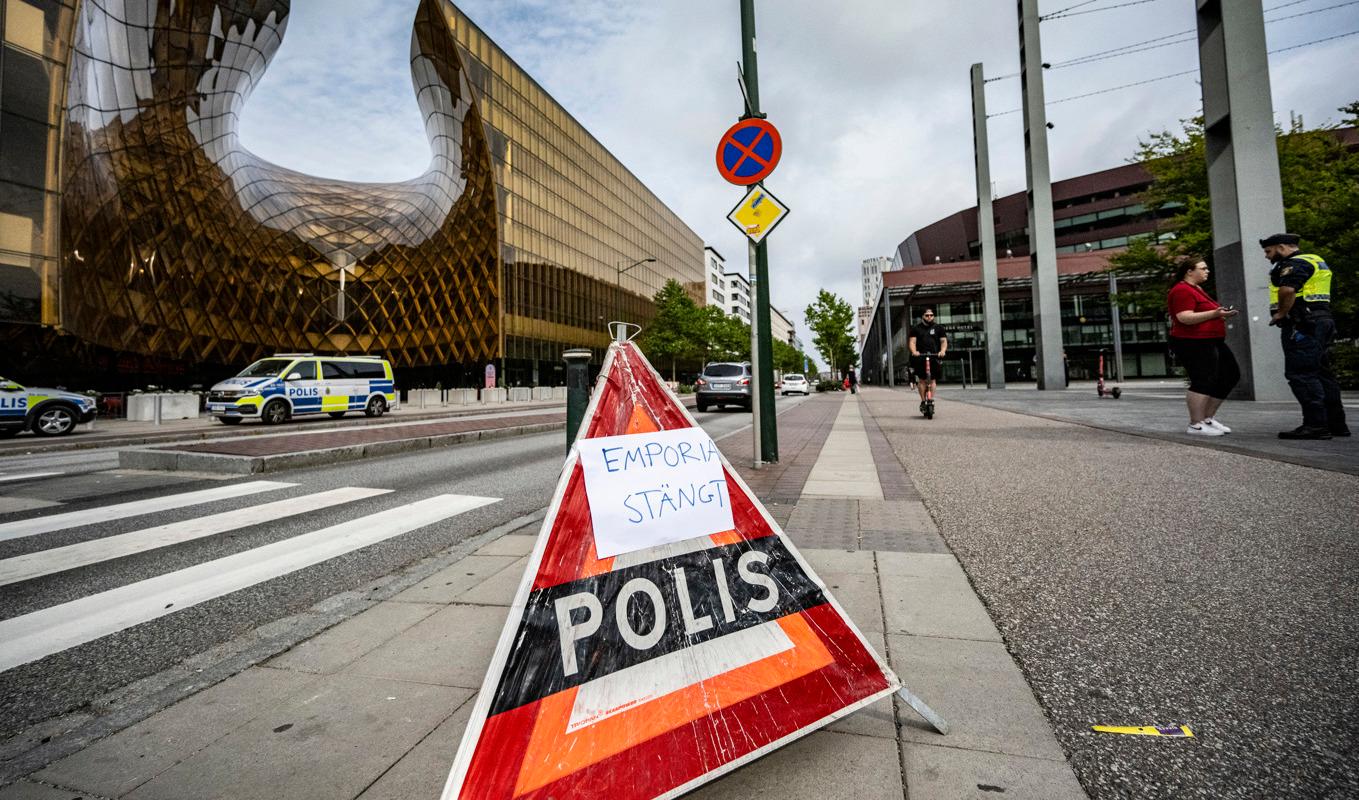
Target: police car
{"type": "Point", "coordinates": [46, 412]}
{"type": "Point", "coordinates": [291, 384]}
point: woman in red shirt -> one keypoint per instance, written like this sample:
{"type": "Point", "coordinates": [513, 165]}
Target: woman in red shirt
{"type": "Point", "coordinates": [1198, 337]}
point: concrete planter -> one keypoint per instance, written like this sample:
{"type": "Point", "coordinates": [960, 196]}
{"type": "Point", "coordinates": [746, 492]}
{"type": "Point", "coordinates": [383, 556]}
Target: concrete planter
{"type": "Point", "coordinates": [142, 407]}
{"type": "Point", "coordinates": [559, 393]}
{"type": "Point", "coordinates": [462, 397]}
{"type": "Point", "coordinates": [492, 395]}
{"type": "Point", "coordinates": [424, 398]}
{"type": "Point", "coordinates": [542, 393]}
{"type": "Point", "coordinates": [521, 394]}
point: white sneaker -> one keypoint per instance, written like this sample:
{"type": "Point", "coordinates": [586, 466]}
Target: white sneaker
{"type": "Point", "coordinates": [1202, 429]}
{"type": "Point", "coordinates": [1213, 423]}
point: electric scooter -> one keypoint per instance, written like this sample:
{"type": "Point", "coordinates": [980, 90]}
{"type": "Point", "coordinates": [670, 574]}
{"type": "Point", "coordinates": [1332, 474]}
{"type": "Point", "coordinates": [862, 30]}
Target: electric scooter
{"type": "Point", "coordinates": [929, 387]}
{"type": "Point", "coordinates": [1115, 392]}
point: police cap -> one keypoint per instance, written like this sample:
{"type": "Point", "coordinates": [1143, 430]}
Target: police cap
{"type": "Point", "coordinates": [1281, 238]}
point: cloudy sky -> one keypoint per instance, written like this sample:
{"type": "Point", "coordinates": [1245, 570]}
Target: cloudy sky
{"type": "Point", "coordinates": [871, 97]}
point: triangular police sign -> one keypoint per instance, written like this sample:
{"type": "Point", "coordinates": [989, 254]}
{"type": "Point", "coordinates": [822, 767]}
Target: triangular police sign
{"type": "Point", "coordinates": [647, 673]}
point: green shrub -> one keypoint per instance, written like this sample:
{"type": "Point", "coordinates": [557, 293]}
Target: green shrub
{"type": "Point", "coordinates": [1345, 363]}
{"type": "Point", "coordinates": [830, 386]}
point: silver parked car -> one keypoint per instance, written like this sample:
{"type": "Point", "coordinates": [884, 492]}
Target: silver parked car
{"type": "Point", "coordinates": [724, 383]}
{"type": "Point", "coordinates": [794, 384]}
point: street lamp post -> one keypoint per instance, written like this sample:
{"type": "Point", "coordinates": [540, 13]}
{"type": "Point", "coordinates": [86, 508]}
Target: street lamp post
{"type": "Point", "coordinates": [621, 269]}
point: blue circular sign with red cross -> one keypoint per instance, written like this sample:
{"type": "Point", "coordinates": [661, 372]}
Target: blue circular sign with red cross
{"type": "Point", "coordinates": [749, 151]}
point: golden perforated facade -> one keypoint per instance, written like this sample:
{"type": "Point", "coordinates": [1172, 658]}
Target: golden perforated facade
{"type": "Point", "coordinates": [183, 254]}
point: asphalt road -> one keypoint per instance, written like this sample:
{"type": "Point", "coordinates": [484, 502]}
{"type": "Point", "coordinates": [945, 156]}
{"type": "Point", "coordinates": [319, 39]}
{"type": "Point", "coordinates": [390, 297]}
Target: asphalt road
{"type": "Point", "coordinates": [518, 474]}
{"type": "Point", "coordinates": [1139, 581]}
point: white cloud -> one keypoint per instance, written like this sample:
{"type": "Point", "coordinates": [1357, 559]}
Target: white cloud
{"type": "Point", "coordinates": [871, 96]}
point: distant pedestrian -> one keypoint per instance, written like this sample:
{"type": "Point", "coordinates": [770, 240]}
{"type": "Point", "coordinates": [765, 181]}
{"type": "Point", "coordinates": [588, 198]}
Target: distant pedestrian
{"type": "Point", "coordinates": [1300, 294]}
{"type": "Point", "coordinates": [852, 381]}
{"type": "Point", "coordinates": [1198, 337]}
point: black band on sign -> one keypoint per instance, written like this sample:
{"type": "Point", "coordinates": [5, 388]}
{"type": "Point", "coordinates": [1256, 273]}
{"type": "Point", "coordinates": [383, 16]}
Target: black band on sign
{"type": "Point", "coordinates": [575, 632]}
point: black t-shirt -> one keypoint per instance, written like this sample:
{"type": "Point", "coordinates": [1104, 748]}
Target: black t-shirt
{"type": "Point", "coordinates": [928, 335]}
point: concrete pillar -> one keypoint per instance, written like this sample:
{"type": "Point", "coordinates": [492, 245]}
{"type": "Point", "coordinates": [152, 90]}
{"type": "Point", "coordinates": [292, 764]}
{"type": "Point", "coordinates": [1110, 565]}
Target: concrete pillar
{"type": "Point", "coordinates": [1047, 303]}
{"type": "Point", "coordinates": [1243, 183]}
{"type": "Point", "coordinates": [986, 232]}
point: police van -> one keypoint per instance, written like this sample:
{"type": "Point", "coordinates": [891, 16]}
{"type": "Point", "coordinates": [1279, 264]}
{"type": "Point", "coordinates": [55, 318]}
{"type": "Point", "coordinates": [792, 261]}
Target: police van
{"type": "Point", "coordinates": [285, 385]}
{"type": "Point", "coordinates": [46, 412]}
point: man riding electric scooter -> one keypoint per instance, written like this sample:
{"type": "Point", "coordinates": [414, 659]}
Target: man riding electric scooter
{"type": "Point", "coordinates": [928, 343]}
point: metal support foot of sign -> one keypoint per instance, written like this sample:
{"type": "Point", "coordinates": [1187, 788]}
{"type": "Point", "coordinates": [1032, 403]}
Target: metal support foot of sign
{"type": "Point", "coordinates": [937, 722]}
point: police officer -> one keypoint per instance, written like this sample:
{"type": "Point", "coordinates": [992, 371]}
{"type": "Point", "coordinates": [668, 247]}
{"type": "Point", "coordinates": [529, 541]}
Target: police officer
{"type": "Point", "coordinates": [1300, 300]}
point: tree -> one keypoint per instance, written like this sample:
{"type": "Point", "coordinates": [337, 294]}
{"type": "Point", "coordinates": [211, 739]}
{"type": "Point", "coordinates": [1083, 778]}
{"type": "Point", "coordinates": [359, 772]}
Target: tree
{"type": "Point", "coordinates": [1320, 187]}
{"type": "Point", "coordinates": [671, 334]}
{"type": "Point", "coordinates": [831, 321]}
{"type": "Point", "coordinates": [724, 338]}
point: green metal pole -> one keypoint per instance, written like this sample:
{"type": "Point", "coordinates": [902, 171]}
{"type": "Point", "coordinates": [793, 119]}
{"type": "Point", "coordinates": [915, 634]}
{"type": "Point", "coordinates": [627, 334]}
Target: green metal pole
{"type": "Point", "coordinates": [769, 434]}
{"type": "Point", "coordinates": [577, 390]}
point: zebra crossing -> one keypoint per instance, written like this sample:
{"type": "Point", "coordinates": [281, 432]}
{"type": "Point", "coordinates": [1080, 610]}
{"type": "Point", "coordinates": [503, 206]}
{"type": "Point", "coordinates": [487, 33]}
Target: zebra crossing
{"type": "Point", "coordinates": [35, 635]}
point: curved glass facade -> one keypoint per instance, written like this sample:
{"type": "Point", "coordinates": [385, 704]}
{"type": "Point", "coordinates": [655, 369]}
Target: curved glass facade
{"type": "Point", "coordinates": [182, 253]}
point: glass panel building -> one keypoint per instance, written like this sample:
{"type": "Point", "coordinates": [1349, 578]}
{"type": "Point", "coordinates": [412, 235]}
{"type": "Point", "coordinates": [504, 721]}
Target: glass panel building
{"type": "Point", "coordinates": [141, 242]}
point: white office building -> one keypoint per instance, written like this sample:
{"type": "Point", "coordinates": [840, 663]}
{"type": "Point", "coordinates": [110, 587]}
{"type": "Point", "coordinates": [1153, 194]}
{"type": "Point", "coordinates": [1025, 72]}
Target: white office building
{"type": "Point", "coordinates": [870, 274]}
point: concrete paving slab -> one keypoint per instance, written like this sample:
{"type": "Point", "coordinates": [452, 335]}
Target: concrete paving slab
{"type": "Point", "coordinates": [816, 767]}
{"type": "Point", "coordinates": [902, 541]}
{"type": "Point", "coordinates": [512, 545]}
{"type": "Point", "coordinates": [895, 515]}
{"type": "Point", "coordinates": [449, 648]}
{"type": "Point", "coordinates": [324, 744]}
{"type": "Point", "coordinates": [819, 488]}
{"type": "Point", "coordinates": [919, 565]}
{"type": "Point", "coordinates": [978, 689]}
{"type": "Point", "coordinates": [499, 589]}
{"type": "Point", "coordinates": [448, 584]}
{"type": "Point", "coordinates": [828, 514]}
{"type": "Point", "coordinates": [27, 790]}
{"type": "Point", "coordinates": [116, 765]}
{"type": "Point", "coordinates": [944, 607]}
{"type": "Point", "coordinates": [421, 773]}
{"type": "Point", "coordinates": [859, 596]}
{"type": "Point", "coordinates": [350, 640]}
{"type": "Point", "coordinates": [947, 772]}
{"type": "Point", "coordinates": [842, 561]}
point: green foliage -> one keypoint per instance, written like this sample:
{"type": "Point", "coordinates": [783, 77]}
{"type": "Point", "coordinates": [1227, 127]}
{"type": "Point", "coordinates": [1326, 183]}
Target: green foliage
{"type": "Point", "coordinates": [1345, 364]}
{"type": "Point", "coordinates": [669, 337]}
{"type": "Point", "coordinates": [830, 386]}
{"type": "Point", "coordinates": [1146, 270]}
{"type": "Point", "coordinates": [1320, 187]}
{"type": "Point", "coordinates": [831, 320]}
{"type": "Point", "coordinates": [688, 336]}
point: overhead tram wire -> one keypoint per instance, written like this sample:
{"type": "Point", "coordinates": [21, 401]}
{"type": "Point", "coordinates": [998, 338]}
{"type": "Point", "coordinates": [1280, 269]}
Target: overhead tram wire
{"type": "Point", "coordinates": [1191, 33]}
{"type": "Point", "coordinates": [1068, 12]}
{"type": "Point", "coordinates": [1171, 75]}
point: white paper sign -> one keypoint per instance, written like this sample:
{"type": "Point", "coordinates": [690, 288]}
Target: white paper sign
{"type": "Point", "coordinates": [649, 489]}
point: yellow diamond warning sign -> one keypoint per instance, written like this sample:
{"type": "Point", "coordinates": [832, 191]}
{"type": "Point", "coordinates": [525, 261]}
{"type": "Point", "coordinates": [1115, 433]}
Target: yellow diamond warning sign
{"type": "Point", "coordinates": [758, 214]}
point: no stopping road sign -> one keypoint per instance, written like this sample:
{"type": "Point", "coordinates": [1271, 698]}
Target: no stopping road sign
{"type": "Point", "coordinates": [749, 151]}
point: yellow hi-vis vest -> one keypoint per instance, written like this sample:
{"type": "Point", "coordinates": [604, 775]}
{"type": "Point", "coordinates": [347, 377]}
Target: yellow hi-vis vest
{"type": "Point", "coordinates": [1317, 289]}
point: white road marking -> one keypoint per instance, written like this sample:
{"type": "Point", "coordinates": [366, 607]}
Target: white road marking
{"type": "Point", "coordinates": [59, 559]}
{"type": "Point", "coordinates": [27, 476]}
{"type": "Point", "coordinates": [42, 633]}
{"type": "Point", "coordinates": [73, 519]}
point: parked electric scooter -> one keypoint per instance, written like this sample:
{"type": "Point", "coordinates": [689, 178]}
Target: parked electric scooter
{"type": "Point", "coordinates": [1115, 392]}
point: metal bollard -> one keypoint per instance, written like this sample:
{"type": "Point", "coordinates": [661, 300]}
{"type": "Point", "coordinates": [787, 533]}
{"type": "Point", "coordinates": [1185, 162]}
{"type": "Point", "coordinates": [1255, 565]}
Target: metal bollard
{"type": "Point", "coordinates": [156, 406]}
{"type": "Point", "coordinates": [577, 390]}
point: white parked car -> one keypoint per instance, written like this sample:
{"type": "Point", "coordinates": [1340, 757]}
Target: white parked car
{"type": "Point", "coordinates": [794, 384]}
